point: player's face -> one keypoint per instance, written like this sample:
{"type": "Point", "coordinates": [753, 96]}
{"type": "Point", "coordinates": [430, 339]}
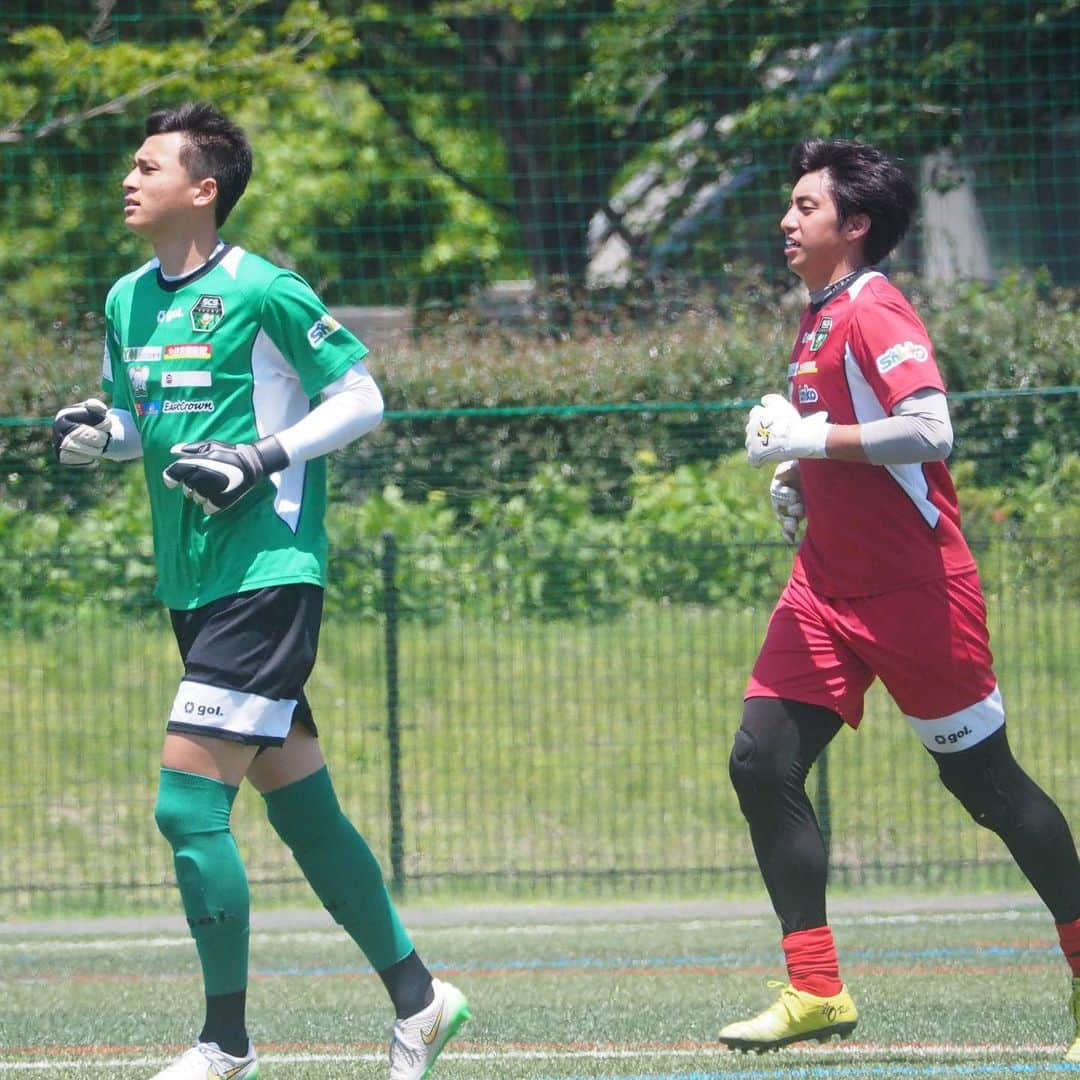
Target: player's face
{"type": "Point", "coordinates": [815, 246]}
{"type": "Point", "coordinates": [161, 199]}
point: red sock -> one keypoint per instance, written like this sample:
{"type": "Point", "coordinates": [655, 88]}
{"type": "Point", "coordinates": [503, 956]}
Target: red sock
{"type": "Point", "coordinates": [1069, 936]}
{"type": "Point", "coordinates": [811, 961]}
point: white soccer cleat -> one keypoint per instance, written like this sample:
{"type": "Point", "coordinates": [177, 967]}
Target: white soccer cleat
{"type": "Point", "coordinates": [418, 1039]}
{"type": "Point", "coordinates": [207, 1061]}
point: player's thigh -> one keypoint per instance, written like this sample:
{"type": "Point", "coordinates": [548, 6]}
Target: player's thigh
{"type": "Point", "coordinates": [296, 759]}
{"type": "Point", "coordinates": [930, 646]}
{"type": "Point", "coordinates": [246, 660]}
{"type": "Point", "coordinates": [220, 759]}
{"type": "Point", "coordinates": [805, 658]}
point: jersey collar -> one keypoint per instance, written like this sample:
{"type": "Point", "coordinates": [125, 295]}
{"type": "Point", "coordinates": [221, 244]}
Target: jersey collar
{"type": "Point", "coordinates": [821, 297]}
{"type": "Point", "coordinates": [171, 285]}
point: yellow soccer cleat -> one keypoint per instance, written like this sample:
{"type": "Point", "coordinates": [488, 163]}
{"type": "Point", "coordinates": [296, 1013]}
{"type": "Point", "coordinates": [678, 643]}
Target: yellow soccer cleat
{"type": "Point", "coordinates": [1072, 1055]}
{"type": "Point", "coordinates": [797, 1016]}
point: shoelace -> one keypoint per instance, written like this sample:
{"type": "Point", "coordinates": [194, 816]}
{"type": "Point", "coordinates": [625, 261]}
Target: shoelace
{"type": "Point", "coordinates": [787, 993]}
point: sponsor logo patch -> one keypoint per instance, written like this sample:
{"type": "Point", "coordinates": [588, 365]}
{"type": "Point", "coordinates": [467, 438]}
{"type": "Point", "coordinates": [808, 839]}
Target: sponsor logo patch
{"type": "Point", "coordinates": [147, 408]}
{"type": "Point", "coordinates": [201, 406]}
{"type": "Point", "coordinates": [172, 313]}
{"type": "Point", "coordinates": [186, 378]}
{"type": "Point", "coordinates": [199, 350]}
{"type": "Point", "coordinates": [321, 329]}
{"type": "Point", "coordinates": [207, 313]}
{"type": "Point", "coordinates": [142, 354]}
{"type": "Point", "coordinates": [901, 353]}
{"type": "Point", "coordinates": [138, 374]}
{"type": "Point", "coordinates": [807, 395]}
{"type": "Point", "coordinates": [951, 738]}
{"type": "Point", "coordinates": [193, 708]}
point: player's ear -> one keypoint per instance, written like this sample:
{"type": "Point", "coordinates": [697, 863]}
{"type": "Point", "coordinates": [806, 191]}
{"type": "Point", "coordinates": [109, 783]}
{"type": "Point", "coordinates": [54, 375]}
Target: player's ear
{"type": "Point", "coordinates": [856, 227]}
{"type": "Point", "coordinates": [206, 192]}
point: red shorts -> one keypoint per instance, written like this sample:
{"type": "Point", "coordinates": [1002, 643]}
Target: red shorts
{"type": "Point", "coordinates": [928, 644]}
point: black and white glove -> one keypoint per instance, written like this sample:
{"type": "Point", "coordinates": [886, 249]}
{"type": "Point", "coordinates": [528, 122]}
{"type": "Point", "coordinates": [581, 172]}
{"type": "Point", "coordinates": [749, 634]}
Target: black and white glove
{"type": "Point", "coordinates": [217, 475]}
{"type": "Point", "coordinates": [777, 431]}
{"type": "Point", "coordinates": [787, 502]}
{"type": "Point", "coordinates": [81, 433]}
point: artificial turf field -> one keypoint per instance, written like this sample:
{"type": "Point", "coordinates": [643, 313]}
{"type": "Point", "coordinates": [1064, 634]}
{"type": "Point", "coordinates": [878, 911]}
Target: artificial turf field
{"type": "Point", "coordinates": [947, 988]}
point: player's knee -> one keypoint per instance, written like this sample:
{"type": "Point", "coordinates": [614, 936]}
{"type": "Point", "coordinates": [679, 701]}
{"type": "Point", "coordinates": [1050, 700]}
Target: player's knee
{"type": "Point", "coordinates": [757, 775]}
{"type": "Point", "coordinates": [190, 806]}
{"type": "Point", "coordinates": [986, 780]}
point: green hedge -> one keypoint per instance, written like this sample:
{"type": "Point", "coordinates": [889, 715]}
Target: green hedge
{"type": "Point", "coordinates": [1017, 335]}
{"type": "Point", "coordinates": [693, 535]}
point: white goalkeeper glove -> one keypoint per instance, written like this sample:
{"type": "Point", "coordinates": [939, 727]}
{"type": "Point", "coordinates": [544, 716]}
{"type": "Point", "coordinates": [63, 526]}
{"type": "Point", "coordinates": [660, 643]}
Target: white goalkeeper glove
{"type": "Point", "coordinates": [81, 433]}
{"type": "Point", "coordinates": [217, 475]}
{"type": "Point", "coordinates": [786, 495]}
{"type": "Point", "coordinates": [777, 431]}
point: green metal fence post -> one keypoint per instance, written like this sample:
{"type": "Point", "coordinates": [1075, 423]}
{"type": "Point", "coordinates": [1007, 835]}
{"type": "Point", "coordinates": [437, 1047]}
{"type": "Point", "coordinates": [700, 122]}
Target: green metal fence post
{"type": "Point", "coordinates": [393, 720]}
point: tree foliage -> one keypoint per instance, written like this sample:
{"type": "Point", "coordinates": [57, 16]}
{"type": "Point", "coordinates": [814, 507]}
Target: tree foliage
{"type": "Point", "coordinates": [408, 152]}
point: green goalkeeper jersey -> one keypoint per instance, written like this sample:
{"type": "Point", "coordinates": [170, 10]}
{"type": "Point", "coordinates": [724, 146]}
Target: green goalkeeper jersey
{"type": "Point", "coordinates": [237, 350]}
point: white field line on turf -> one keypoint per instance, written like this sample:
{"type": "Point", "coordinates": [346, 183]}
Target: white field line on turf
{"type": "Point", "coordinates": [863, 1052]}
{"type": "Point", "coordinates": [309, 937]}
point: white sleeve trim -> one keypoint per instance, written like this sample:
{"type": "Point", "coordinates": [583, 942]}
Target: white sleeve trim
{"type": "Point", "coordinates": [918, 430]}
{"type": "Point", "coordinates": [351, 406]}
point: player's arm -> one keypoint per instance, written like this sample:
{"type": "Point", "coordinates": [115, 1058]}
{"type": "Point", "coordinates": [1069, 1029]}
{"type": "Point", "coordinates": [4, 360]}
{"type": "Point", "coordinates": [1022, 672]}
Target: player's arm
{"type": "Point", "coordinates": [351, 406]}
{"type": "Point", "coordinates": [218, 474]}
{"type": "Point", "coordinates": [917, 430]}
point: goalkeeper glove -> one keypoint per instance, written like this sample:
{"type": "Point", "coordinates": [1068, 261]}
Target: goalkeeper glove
{"type": "Point", "coordinates": [217, 475]}
{"type": "Point", "coordinates": [81, 433]}
{"type": "Point", "coordinates": [786, 499]}
{"type": "Point", "coordinates": [776, 431]}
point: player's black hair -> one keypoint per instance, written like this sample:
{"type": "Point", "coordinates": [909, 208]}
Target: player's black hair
{"type": "Point", "coordinates": [863, 180]}
{"type": "Point", "coordinates": [213, 146]}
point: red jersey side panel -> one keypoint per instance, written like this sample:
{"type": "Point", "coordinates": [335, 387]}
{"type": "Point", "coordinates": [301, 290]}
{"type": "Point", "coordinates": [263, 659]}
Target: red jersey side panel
{"type": "Point", "coordinates": [870, 528]}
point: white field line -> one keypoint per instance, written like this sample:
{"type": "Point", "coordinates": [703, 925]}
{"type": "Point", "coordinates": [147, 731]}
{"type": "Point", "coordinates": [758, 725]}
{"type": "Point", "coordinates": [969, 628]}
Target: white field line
{"type": "Point", "coordinates": [316, 937]}
{"type": "Point", "coordinates": [853, 1052]}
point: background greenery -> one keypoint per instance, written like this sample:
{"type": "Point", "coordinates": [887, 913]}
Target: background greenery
{"type": "Point", "coordinates": [567, 210]}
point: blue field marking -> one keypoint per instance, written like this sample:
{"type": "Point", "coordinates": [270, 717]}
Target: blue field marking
{"type": "Point", "coordinates": [830, 1072]}
{"type": "Point", "coordinates": [732, 961]}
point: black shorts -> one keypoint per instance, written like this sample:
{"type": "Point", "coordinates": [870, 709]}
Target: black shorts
{"type": "Point", "coordinates": [246, 660]}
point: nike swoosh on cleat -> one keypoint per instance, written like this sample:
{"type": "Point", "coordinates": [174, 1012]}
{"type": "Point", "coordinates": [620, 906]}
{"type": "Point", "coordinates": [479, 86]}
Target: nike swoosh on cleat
{"type": "Point", "coordinates": [228, 1074]}
{"type": "Point", "coordinates": [429, 1035]}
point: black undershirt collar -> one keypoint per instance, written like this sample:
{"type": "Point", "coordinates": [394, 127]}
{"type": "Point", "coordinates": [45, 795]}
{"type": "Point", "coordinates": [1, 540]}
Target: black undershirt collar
{"type": "Point", "coordinates": [821, 297]}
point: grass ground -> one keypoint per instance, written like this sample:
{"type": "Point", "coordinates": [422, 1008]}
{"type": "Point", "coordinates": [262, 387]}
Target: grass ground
{"type": "Point", "coordinates": [970, 989]}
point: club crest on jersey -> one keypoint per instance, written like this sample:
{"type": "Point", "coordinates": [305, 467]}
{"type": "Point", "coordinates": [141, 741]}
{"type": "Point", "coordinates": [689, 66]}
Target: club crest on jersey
{"type": "Point", "coordinates": [900, 353]}
{"type": "Point", "coordinates": [821, 333]}
{"type": "Point", "coordinates": [207, 313]}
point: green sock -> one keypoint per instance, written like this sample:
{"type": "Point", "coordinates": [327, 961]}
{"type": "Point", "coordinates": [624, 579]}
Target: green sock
{"type": "Point", "coordinates": [340, 866]}
{"type": "Point", "coordinates": [193, 814]}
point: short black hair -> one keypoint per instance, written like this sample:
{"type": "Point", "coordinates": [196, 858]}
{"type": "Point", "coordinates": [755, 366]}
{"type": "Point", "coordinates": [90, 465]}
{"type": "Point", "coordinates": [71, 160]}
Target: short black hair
{"type": "Point", "coordinates": [863, 180]}
{"type": "Point", "coordinates": [213, 146]}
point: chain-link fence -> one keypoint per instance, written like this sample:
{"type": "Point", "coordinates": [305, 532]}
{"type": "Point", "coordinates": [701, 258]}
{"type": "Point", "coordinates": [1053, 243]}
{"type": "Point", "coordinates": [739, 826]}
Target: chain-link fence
{"type": "Point", "coordinates": [555, 224]}
{"type": "Point", "coordinates": [534, 695]}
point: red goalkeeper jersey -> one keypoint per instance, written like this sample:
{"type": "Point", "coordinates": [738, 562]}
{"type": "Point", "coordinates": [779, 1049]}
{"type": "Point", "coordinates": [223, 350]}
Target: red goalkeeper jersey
{"type": "Point", "coordinates": [870, 528]}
